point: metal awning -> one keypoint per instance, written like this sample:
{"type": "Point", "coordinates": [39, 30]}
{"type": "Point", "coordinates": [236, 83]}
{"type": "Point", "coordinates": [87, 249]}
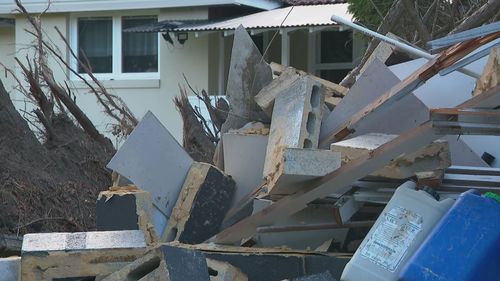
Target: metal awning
{"type": "Point", "coordinates": [298, 16]}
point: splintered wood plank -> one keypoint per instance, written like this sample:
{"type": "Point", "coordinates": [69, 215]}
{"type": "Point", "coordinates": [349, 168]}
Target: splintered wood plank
{"type": "Point", "coordinates": [412, 82]}
{"type": "Point", "coordinates": [346, 175]}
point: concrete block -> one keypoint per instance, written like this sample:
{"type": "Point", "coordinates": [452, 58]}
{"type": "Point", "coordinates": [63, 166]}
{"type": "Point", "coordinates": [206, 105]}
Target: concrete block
{"type": "Point", "coordinates": [295, 123]}
{"type": "Point", "coordinates": [223, 271]}
{"type": "Point", "coordinates": [126, 208]}
{"type": "Point", "coordinates": [432, 157]}
{"type": "Point", "coordinates": [298, 166]}
{"type": "Point", "coordinates": [265, 98]}
{"type": "Point", "coordinates": [248, 74]}
{"type": "Point", "coordinates": [153, 160]}
{"type": "Point", "coordinates": [165, 263]}
{"type": "Point", "coordinates": [52, 256]}
{"type": "Point", "coordinates": [277, 264]}
{"type": "Point", "coordinates": [324, 276]}
{"type": "Point", "coordinates": [202, 205]}
{"type": "Point", "coordinates": [9, 268]}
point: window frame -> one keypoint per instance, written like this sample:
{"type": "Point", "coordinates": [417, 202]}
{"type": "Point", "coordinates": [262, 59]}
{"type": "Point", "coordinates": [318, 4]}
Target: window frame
{"type": "Point", "coordinates": [315, 65]}
{"type": "Point", "coordinates": [117, 59]}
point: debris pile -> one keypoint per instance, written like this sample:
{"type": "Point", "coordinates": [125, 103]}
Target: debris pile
{"type": "Point", "coordinates": [314, 182]}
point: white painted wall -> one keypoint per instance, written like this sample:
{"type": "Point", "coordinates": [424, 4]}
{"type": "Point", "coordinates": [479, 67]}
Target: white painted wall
{"type": "Point", "coordinates": [140, 95]}
{"type": "Point", "coordinates": [7, 51]}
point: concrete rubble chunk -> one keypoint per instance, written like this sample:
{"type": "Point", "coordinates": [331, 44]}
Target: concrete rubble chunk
{"type": "Point", "coordinates": [153, 160]}
{"type": "Point", "coordinates": [165, 263]}
{"type": "Point", "coordinates": [9, 268]}
{"type": "Point", "coordinates": [223, 271]}
{"type": "Point", "coordinates": [248, 74]}
{"type": "Point", "coordinates": [48, 256]}
{"type": "Point", "coordinates": [126, 208]}
{"type": "Point", "coordinates": [203, 203]}
{"type": "Point", "coordinates": [324, 276]}
{"type": "Point", "coordinates": [432, 157]}
{"type": "Point", "coordinates": [295, 123]}
{"type": "Point", "coordinates": [298, 166]}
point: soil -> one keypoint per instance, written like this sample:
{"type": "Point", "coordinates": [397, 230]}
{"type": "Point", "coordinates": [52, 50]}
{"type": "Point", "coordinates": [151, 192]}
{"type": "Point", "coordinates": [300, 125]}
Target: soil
{"type": "Point", "coordinates": [48, 186]}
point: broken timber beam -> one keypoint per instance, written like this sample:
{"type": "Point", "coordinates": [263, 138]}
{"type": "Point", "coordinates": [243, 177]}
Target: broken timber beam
{"type": "Point", "coordinates": [412, 82]}
{"type": "Point", "coordinates": [345, 175]}
{"type": "Point", "coordinates": [453, 121]}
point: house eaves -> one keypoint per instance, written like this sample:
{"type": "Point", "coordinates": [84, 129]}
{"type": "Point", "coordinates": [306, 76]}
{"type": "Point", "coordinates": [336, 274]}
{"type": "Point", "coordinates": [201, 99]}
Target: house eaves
{"type": "Point", "coordinates": [59, 6]}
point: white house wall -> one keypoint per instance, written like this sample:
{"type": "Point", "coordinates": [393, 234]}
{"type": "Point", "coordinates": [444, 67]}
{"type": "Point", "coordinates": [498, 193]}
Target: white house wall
{"type": "Point", "coordinates": [7, 51]}
{"type": "Point", "coordinates": [140, 95]}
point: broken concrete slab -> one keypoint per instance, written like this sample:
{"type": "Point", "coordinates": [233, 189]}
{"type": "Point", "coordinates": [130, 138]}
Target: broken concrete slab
{"type": "Point", "coordinates": [298, 166]}
{"type": "Point", "coordinates": [153, 160]}
{"type": "Point", "coordinates": [248, 74]}
{"type": "Point", "coordinates": [223, 271]}
{"type": "Point", "coordinates": [52, 256]}
{"type": "Point", "coordinates": [165, 263]}
{"type": "Point", "coordinates": [9, 268]}
{"type": "Point", "coordinates": [202, 205]}
{"type": "Point", "coordinates": [432, 157]}
{"type": "Point", "coordinates": [324, 276]}
{"type": "Point", "coordinates": [126, 208]}
{"type": "Point", "coordinates": [295, 123]}
{"type": "Point", "coordinates": [372, 83]}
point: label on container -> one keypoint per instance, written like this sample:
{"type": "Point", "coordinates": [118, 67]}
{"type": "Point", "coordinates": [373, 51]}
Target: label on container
{"type": "Point", "coordinates": [392, 237]}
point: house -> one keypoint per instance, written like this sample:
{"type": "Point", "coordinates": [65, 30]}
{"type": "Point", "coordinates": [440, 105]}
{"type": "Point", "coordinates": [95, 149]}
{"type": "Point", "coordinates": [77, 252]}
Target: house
{"type": "Point", "coordinates": [145, 69]}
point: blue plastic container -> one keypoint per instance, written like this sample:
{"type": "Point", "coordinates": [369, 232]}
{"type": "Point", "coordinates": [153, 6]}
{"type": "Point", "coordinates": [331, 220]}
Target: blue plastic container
{"type": "Point", "coordinates": [464, 245]}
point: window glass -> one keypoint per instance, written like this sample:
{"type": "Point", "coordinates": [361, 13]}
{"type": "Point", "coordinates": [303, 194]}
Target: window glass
{"type": "Point", "coordinates": [334, 75]}
{"type": "Point", "coordinates": [95, 44]}
{"type": "Point", "coordinates": [139, 50]}
{"type": "Point", "coordinates": [336, 46]}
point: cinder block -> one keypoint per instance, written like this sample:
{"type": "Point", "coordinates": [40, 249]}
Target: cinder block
{"type": "Point", "coordinates": [9, 268]}
{"type": "Point", "coordinates": [298, 166]}
{"type": "Point", "coordinates": [165, 263]}
{"type": "Point", "coordinates": [203, 203]}
{"type": "Point", "coordinates": [295, 123]}
{"type": "Point", "coordinates": [126, 208]}
{"type": "Point", "coordinates": [432, 157]}
{"type": "Point", "coordinates": [49, 256]}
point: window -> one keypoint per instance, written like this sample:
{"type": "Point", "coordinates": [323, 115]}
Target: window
{"type": "Point", "coordinates": [335, 54]}
{"type": "Point", "coordinates": [111, 53]}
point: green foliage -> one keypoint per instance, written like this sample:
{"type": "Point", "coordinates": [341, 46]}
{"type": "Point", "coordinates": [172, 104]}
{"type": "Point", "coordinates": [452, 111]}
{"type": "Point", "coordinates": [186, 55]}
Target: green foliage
{"type": "Point", "coordinates": [365, 12]}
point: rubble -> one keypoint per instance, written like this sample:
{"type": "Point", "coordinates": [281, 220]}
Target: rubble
{"type": "Point", "coordinates": [363, 175]}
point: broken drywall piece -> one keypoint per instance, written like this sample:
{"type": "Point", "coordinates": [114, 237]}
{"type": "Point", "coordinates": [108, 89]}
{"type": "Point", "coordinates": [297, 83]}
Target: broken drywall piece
{"type": "Point", "coordinates": [57, 256]}
{"type": "Point", "coordinates": [9, 268]}
{"type": "Point", "coordinates": [223, 271]}
{"type": "Point", "coordinates": [295, 123]}
{"type": "Point", "coordinates": [126, 209]}
{"type": "Point", "coordinates": [372, 83]}
{"type": "Point", "coordinates": [202, 205]}
{"type": "Point", "coordinates": [248, 74]}
{"type": "Point", "coordinates": [432, 157]}
{"type": "Point", "coordinates": [165, 263]}
{"type": "Point", "coordinates": [265, 98]}
{"type": "Point", "coordinates": [297, 166]}
{"type": "Point", "coordinates": [153, 160]}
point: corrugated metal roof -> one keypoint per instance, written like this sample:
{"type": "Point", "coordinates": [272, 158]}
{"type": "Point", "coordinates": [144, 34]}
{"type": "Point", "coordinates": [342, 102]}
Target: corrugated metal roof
{"type": "Point", "coordinates": [306, 16]}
